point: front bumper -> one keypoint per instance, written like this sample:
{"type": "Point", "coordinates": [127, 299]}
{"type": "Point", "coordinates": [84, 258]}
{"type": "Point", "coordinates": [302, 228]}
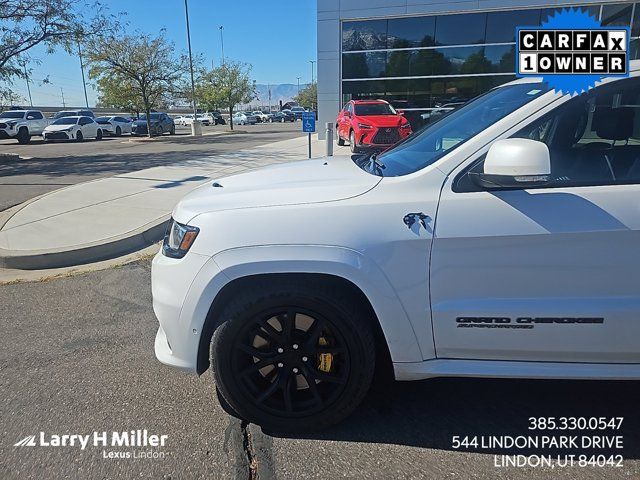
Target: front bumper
{"type": "Point", "coordinates": [57, 135]}
{"type": "Point", "coordinates": [106, 128]}
{"type": "Point", "coordinates": [142, 130]}
{"type": "Point", "coordinates": [4, 135]}
{"type": "Point", "coordinates": [381, 137]}
{"type": "Point", "coordinates": [183, 291]}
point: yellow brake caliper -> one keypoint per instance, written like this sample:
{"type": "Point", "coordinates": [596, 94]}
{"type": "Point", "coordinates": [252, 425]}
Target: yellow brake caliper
{"type": "Point", "coordinates": [324, 359]}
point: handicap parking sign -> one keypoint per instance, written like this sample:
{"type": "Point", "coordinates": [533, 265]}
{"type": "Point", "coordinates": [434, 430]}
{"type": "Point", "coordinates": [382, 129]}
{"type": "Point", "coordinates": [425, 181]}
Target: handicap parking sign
{"type": "Point", "coordinates": [309, 122]}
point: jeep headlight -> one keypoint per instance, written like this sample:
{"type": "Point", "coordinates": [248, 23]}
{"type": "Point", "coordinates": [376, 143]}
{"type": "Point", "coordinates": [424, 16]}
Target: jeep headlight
{"type": "Point", "coordinates": [178, 239]}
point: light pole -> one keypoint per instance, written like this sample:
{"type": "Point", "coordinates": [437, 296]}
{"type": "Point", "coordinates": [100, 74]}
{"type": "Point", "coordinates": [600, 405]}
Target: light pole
{"type": "Point", "coordinates": [84, 84]}
{"type": "Point", "coordinates": [62, 93]}
{"type": "Point", "coordinates": [298, 85]}
{"type": "Point", "coordinates": [312, 62]}
{"type": "Point", "coordinates": [195, 126]}
{"type": "Point", "coordinates": [222, 42]}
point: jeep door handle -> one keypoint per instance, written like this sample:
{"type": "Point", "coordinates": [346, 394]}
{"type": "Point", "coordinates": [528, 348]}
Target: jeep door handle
{"type": "Point", "coordinates": [411, 218]}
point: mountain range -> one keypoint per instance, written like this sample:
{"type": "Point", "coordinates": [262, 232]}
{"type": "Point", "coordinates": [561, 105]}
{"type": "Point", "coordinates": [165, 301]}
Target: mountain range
{"type": "Point", "coordinates": [283, 91]}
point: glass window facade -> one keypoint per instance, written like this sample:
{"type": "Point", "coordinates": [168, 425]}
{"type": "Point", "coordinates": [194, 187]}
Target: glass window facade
{"type": "Point", "coordinates": [424, 62]}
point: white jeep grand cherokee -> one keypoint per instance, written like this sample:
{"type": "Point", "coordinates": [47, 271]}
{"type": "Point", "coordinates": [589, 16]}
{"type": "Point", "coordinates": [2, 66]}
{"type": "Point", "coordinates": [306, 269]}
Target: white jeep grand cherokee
{"type": "Point", "coordinates": [501, 241]}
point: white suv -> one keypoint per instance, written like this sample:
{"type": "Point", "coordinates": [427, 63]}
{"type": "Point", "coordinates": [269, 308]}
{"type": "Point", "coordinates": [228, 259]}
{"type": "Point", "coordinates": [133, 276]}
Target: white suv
{"type": "Point", "coordinates": [500, 241]}
{"type": "Point", "coordinates": [22, 124]}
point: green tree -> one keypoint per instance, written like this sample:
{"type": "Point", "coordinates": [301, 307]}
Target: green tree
{"type": "Point", "coordinates": [25, 24]}
{"type": "Point", "coordinates": [146, 64]}
{"type": "Point", "coordinates": [118, 92]}
{"type": "Point", "coordinates": [226, 86]}
{"type": "Point", "coordinates": [308, 96]}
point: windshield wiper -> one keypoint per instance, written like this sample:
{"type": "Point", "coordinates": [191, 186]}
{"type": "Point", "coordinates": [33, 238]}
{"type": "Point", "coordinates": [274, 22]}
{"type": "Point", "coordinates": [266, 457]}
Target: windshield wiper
{"type": "Point", "coordinates": [376, 166]}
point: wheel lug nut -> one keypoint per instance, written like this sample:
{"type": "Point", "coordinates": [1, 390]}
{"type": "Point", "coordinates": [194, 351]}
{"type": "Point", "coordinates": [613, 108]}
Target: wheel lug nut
{"type": "Point", "coordinates": [295, 370]}
{"type": "Point", "coordinates": [280, 350]}
{"type": "Point", "coordinates": [280, 365]}
{"type": "Point", "coordinates": [295, 346]}
{"type": "Point", "coordinates": [304, 359]}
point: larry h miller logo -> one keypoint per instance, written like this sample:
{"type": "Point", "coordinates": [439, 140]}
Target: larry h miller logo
{"type": "Point", "coordinates": [133, 444]}
{"type": "Point", "coordinates": [572, 51]}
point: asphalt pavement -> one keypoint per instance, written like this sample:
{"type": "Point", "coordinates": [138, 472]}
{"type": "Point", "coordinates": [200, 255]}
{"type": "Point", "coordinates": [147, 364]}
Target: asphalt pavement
{"type": "Point", "coordinates": [76, 356]}
{"type": "Point", "coordinates": [45, 167]}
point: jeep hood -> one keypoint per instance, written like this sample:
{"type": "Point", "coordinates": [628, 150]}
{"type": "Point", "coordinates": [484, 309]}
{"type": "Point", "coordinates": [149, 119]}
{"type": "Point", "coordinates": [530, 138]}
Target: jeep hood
{"type": "Point", "coordinates": [311, 181]}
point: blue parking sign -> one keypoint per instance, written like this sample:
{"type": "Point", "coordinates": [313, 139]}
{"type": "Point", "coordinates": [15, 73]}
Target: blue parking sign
{"type": "Point", "coordinates": [309, 122]}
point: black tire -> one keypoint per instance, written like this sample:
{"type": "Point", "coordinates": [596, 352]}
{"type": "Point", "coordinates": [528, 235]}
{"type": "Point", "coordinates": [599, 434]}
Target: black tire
{"type": "Point", "coordinates": [352, 142]}
{"type": "Point", "coordinates": [99, 135]}
{"type": "Point", "coordinates": [335, 326]}
{"type": "Point", "coordinates": [23, 136]}
{"type": "Point", "coordinates": [172, 131]}
{"type": "Point", "coordinates": [118, 131]}
{"type": "Point", "coordinates": [160, 131]}
{"type": "Point", "coordinates": [79, 136]}
{"type": "Point", "coordinates": [225, 405]}
{"type": "Point", "coordinates": [340, 139]}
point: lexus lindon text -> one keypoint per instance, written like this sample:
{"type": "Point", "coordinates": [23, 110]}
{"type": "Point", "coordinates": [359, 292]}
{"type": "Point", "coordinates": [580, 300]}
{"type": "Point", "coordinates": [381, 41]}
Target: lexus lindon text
{"type": "Point", "coordinates": [500, 241]}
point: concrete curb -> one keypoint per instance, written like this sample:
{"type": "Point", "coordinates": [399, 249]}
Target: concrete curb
{"type": "Point", "coordinates": [89, 253]}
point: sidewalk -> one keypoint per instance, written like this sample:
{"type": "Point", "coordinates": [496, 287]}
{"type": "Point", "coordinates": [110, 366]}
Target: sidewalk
{"type": "Point", "coordinates": [114, 216]}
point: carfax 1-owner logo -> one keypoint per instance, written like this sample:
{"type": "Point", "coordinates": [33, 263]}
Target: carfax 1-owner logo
{"type": "Point", "coordinates": [572, 51]}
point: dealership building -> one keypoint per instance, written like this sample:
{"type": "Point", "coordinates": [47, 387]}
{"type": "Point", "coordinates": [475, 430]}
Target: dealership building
{"type": "Point", "coordinates": [422, 54]}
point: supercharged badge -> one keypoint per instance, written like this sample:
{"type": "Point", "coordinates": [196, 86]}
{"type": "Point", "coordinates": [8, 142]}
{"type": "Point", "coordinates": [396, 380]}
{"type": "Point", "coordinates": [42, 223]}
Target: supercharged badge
{"type": "Point", "coordinates": [523, 322]}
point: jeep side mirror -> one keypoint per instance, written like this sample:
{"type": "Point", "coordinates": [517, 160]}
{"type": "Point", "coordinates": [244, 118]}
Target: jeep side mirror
{"type": "Point", "coordinates": [514, 163]}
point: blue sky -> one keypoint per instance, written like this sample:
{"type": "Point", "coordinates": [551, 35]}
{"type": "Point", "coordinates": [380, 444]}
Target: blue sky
{"type": "Point", "coordinates": [277, 37]}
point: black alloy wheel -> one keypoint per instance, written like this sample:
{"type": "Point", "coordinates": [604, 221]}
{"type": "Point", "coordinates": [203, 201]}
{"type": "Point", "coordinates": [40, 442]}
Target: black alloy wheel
{"type": "Point", "coordinates": [99, 134]}
{"type": "Point", "coordinates": [118, 131]}
{"type": "Point", "coordinates": [79, 136]}
{"type": "Point", "coordinates": [293, 359]}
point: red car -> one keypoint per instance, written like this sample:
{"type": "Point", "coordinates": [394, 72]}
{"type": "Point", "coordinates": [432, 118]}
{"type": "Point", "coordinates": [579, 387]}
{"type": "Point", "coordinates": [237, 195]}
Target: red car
{"type": "Point", "coordinates": [369, 124]}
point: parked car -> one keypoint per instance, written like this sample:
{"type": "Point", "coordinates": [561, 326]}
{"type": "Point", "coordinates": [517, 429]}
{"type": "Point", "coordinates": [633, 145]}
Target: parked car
{"type": "Point", "coordinates": [261, 116]}
{"type": "Point", "coordinates": [114, 125]}
{"type": "Point", "coordinates": [204, 119]}
{"type": "Point", "coordinates": [298, 111]}
{"type": "Point", "coordinates": [74, 113]}
{"type": "Point", "coordinates": [454, 253]}
{"type": "Point", "coordinates": [217, 118]}
{"type": "Point", "coordinates": [244, 118]}
{"type": "Point", "coordinates": [22, 124]}
{"type": "Point", "coordinates": [160, 124]}
{"type": "Point", "coordinates": [182, 120]}
{"type": "Point", "coordinates": [73, 128]}
{"type": "Point", "coordinates": [283, 116]}
{"type": "Point", "coordinates": [367, 124]}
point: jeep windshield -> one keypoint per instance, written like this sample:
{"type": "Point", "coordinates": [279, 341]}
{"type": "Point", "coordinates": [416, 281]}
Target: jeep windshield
{"type": "Point", "coordinates": [436, 140]}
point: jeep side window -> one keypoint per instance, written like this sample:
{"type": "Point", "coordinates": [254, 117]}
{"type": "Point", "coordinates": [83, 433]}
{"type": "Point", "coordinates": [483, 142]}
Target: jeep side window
{"type": "Point", "coordinates": [593, 139]}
